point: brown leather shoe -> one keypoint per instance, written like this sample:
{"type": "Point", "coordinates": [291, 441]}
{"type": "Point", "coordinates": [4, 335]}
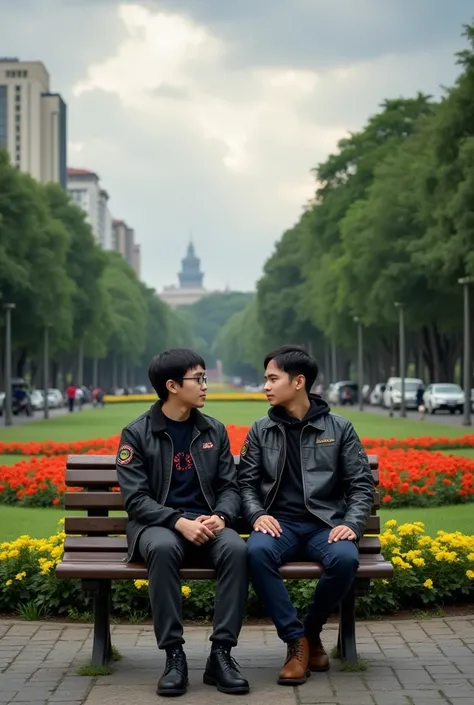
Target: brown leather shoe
{"type": "Point", "coordinates": [318, 658]}
{"type": "Point", "coordinates": [295, 670]}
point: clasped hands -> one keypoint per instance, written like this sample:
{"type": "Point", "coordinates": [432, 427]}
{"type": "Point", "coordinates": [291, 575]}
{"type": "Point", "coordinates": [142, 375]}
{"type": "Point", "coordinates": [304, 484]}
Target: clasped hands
{"type": "Point", "coordinates": [267, 524]}
{"type": "Point", "coordinates": [201, 529]}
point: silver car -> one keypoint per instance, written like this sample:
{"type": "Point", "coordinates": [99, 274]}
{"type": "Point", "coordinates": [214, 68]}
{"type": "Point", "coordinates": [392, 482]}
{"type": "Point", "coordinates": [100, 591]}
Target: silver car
{"type": "Point", "coordinates": [444, 397]}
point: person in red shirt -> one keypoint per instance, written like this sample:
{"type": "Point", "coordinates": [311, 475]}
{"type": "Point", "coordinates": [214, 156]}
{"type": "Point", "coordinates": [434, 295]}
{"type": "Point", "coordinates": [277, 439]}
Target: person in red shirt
{"type": "Point", "coordinates": [71, 396]}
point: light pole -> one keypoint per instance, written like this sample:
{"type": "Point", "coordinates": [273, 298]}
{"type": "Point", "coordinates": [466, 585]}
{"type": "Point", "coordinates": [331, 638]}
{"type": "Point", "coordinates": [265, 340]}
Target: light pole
{"type": "Point", "coordinates": [8, 364]}
{"type": "Point", "coordinates": [333, 360]}
{"type": "Point", "coordinates": [46, 370]}
{"type": "Point", "coordinates": [466, 283]}
{"type": "Point", "coordinates": [401, 321]}
{"type": "Point", "coordinates": [360, 361]}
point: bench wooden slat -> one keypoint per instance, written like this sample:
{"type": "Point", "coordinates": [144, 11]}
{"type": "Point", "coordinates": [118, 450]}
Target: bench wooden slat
{"type": "Point", "coordinates": [93, 500]}
{"type": "Point", "coordinates": [91, 526]}
{"type": "Point", "coordinates": [99, 470]}
{"type": "Point", "coordinates": [112, 566]}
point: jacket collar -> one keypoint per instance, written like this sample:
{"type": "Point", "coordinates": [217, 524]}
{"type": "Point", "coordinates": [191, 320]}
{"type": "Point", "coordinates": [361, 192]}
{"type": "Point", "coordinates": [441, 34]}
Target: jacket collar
{"type": "Point", "coordinates": [318, 424]}
{"type": "Point", "coordinates": [158, 420]}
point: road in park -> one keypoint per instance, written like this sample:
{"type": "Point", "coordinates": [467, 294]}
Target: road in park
{"type": "Point", "coordinates": [446, 419]}
{"type": "Point", "coordinates": [441, 418]}
{"type": "Point", "coordinates": [39, 416]}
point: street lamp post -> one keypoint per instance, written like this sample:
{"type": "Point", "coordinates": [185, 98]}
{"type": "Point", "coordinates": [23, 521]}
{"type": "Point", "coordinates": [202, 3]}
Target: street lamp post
{"type": "Point", "coordinates": [466, 283]}
{"type": "Point", "coordinates": [46, 371]}
{"type": "Point", "coordinates": [8, 364]}
{"type": "Point", "coordinates": [401, 321]}
{"type": "Point", "coordinates": [333, 360]}
{"type": "Point", "coordinates": [360, 361]}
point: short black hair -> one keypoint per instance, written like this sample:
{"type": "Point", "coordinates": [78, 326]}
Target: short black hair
{"type": "Point", "coordinates": [295, 360]}
{"type": "Point", "coordinates": [172, 364]}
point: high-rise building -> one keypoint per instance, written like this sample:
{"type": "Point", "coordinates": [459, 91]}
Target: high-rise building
{"type": "Point", "coordinates": [33, 120]}
{"type": "Point", "coordinates": [190, 287]}
{"type": "Point", "coordinates": [85, 190]}
{"type": "Point", "coordinates": [123, 241]}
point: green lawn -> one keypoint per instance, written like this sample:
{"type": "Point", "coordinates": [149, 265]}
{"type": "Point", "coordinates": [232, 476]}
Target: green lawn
{"type": "Point", "coordinates": [96, 423]}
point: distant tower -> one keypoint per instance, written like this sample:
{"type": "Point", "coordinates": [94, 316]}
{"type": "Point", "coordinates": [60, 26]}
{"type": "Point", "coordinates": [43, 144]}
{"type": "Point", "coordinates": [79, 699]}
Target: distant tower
{"type": "Point", "coordinates": [190, 276]}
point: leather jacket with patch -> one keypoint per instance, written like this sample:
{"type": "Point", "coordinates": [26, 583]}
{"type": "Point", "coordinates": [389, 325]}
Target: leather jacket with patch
{"type": "Point", "coordinates": [144, 470]}
{"type": "Point", "coordinates": [337, 480]}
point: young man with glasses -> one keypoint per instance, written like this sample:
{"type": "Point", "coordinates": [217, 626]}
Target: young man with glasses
{"type": "Point", "coordinates": [179, 486]}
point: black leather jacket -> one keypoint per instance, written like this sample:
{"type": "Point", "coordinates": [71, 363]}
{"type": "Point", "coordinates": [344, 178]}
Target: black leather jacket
{"type": "Point", "coordinates": [337, 480]}
{"type": "Point", "coordinates": [144, 473]}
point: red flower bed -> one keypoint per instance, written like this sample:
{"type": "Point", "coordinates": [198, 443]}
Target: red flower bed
{"type": "Point", "coordinates": [237, 435]}
{"type": "Point", "coordinates": [422, 478]}
{"type": "Point", "coordinates": [52, 448]}
{"type": "Point", "coordinates": [410, 474]}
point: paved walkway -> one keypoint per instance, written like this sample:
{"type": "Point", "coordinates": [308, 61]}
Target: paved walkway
{"type": "Point", "coordinates": [409, 663]}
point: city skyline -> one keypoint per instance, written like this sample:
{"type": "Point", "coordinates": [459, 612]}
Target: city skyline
{"type": "Point", "coordinates": [215, 130]}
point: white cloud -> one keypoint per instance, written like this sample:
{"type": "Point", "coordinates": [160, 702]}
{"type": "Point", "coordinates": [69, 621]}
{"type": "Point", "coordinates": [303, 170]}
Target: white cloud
{"type": "Point", "coordinates": [208, 116]}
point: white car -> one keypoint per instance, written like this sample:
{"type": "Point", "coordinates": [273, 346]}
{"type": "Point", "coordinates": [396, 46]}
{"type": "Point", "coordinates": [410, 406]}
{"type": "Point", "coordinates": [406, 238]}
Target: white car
{"type": "Point", "coordinates": [444, 397]}
{"type": "Point", "coordinates": [392, 396]}
{"type": "Point", "coordinates": [55, 399]}
{"type": "Point", "coordinates": [37, 400]}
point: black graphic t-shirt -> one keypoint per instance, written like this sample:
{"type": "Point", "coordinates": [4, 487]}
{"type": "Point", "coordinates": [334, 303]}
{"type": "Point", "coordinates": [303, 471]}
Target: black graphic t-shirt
{"type": "Point", "coordinates": [185, 491]}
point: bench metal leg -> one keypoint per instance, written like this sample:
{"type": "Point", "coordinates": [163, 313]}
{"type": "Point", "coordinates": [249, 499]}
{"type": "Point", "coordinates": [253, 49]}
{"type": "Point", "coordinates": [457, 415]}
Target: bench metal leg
{"type": "Point", "coordinates": [346, 641]}
{"type": "Point", "coordinates": [102, 645]}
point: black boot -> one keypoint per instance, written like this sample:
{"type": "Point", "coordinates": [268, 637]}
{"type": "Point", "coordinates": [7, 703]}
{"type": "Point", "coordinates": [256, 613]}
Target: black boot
{"type": "Point", "coordinates": [223, 672]}
{"type": "Point", "coordinates": [175, 676]}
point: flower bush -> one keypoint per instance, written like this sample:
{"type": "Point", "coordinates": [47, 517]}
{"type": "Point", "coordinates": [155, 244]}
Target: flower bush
{"type": "Point", "coordinates": [416, 478]}
{"type": "Point", "coordinates": [410, 474]}
{"type": "Point", "coordinates": [427, 571]}
{"type": "Point", "coordinates": [237, 435]}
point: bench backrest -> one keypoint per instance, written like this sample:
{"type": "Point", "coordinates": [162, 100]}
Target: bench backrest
{"type": "Point", "coordinates": [99, 494]}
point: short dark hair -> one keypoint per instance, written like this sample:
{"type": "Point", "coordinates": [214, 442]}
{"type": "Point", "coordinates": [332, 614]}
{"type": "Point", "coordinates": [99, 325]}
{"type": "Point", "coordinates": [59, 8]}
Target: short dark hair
{"type": "Point", "coordinates": [172, 364]}
{"type": "Point", "coordinates": [295, 360]}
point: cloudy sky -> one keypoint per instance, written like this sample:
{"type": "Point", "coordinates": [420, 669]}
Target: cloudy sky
{"type": "Point", "coordinates": [204, 117]}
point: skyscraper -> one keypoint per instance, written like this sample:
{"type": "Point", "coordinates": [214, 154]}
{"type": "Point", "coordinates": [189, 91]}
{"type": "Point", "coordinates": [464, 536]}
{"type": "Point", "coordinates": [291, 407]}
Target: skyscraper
{"type": "Point", "coordinates": [33, 120]}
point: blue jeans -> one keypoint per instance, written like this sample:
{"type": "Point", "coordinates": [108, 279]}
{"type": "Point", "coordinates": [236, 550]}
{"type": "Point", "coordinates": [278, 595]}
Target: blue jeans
{"type": "Point", "coordinates": [266, 555]}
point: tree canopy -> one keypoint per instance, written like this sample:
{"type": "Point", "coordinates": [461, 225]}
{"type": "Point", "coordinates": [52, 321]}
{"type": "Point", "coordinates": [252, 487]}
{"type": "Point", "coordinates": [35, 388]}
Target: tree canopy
{"type": "Point", "coordinates": [392, 220]}
{"type": "Point", "coordinates": [56, 274]}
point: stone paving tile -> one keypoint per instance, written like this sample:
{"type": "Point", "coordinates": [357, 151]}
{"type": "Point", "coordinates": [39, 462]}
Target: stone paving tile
{"type": "Point", "coordinates": [410, 663]}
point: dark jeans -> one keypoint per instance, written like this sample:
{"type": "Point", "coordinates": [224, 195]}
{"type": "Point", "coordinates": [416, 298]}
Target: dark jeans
{"type": "Point", "coordinates": [164, 552]}
{"type": "Point", "coordinates": [266, 555]}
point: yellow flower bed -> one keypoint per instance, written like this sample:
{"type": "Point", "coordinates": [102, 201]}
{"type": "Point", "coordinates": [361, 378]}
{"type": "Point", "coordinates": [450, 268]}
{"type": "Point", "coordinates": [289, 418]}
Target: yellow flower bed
{"type": "Point", "coordinates": [212, 396]}
{"type": "Point", "coordinates": [428, 570]}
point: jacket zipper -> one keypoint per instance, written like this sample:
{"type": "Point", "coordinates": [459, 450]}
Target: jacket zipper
{"type": "Point", "coordinates": [171, 468]}
{"type": "Point", "coordinates": [131, 551]}
{"type": "Point", "coordinates": [304, 485]}
{"type": "Point", "coordinates": [197, 470]}
{"type": "Point", "coordinates": [278, 480]}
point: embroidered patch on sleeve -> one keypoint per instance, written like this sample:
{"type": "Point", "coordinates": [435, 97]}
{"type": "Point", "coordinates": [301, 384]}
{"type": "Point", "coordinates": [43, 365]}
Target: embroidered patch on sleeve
{"type": "Point", "coordinates": [125, 454]}
{"type": "Point", "coordinates": [245, 448]}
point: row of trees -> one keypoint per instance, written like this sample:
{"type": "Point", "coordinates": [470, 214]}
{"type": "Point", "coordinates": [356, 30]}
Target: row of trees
{"type": "Point", "coordinates": [392, 220]}
{"type": "Point", "coordinates": [95, 307]}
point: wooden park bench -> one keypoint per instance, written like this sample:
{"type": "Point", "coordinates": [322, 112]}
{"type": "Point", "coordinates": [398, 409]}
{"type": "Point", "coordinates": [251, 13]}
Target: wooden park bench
{"type": "Point", "coordinates": [95, 551]}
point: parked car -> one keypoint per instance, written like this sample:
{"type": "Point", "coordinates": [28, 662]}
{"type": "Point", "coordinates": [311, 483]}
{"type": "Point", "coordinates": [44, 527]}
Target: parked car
{"type": "Point", "coordinates": [21, 400]}
{"type": "Point", "coordinates": [392, 396]}
{"type": "Point", "coordinates": [55, 398]}
{"type": "Point", "coordinates": [376, 395]}
{"type": "Point", "coordinates": [444, 397]}
{"type": "Point", "coordinates": [37, 400]}
{"type": "Point", "coordinates": [336, 392]}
